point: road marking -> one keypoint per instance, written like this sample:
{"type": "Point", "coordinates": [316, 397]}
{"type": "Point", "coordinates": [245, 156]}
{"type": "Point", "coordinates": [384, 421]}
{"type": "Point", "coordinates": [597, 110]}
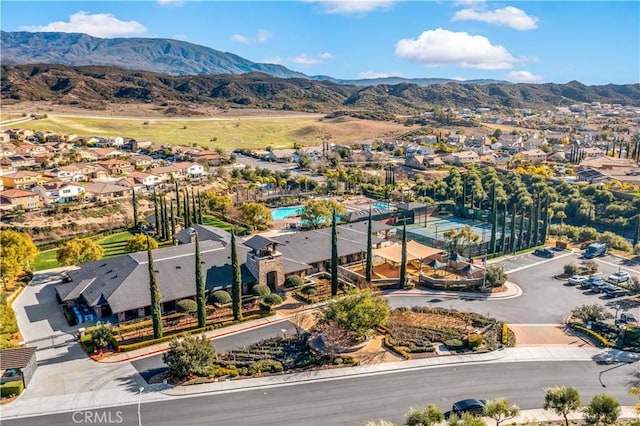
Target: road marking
{"type": "Point", "coordinates": [538, 263]}
{"type": "Point", "coordinates": [618, 265]}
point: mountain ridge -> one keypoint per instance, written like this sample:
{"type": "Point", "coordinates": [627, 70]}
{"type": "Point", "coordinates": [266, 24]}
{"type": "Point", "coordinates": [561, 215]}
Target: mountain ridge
{"type": "Point", "coordinates": [91, 85]}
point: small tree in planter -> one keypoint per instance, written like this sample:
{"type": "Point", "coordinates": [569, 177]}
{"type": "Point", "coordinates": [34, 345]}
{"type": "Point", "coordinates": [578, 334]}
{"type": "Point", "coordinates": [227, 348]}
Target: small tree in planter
{"type": "Point", "coordinates": [220, 297]}
{"type": "Point", "coordinates": [261, 290]}
{"type": "Point", "coordinates": [589, 267]}
{"type": "Point", "coordinates": [272, 299]}
{"type": "Point", "coordinates": [102, 337]}
{"type": "Point", "coordinates": [358, 312]}
{"type": "Point", "coordinates": [293, 281]}
{"type": "Point", "coordinates": [187, 306]}
{"type": "Point", "coordinates": [571, 269]}
{"type": "Point", "coordinates": [495, 277]}
{"type": "Point", "coordinates": [594, 313]}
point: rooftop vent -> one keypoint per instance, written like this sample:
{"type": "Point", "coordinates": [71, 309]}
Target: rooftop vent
{"type": "Point", "coordinates": [178, 267]}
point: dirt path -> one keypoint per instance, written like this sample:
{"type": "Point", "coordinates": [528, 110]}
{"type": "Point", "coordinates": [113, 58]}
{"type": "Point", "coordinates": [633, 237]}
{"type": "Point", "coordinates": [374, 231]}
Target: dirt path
{"type": "Point", "coordinates": [545, 334]}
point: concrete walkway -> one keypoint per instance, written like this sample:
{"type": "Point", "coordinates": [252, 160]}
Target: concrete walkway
{"type": "Point", "coordinates": [512, 291]}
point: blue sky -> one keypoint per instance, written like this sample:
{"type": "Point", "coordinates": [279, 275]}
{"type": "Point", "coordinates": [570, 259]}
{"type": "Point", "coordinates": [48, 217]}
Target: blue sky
{"type": "Point", "coordinates": [537, 41]}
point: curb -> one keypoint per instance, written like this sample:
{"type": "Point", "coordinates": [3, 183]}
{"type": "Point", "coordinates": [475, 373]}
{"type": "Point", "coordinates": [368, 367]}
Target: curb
{"type": "Point", "coordinates": [459, 295]}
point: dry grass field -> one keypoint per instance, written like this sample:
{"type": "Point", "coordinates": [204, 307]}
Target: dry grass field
{"type": "Point", "coordinates": [212, 129]}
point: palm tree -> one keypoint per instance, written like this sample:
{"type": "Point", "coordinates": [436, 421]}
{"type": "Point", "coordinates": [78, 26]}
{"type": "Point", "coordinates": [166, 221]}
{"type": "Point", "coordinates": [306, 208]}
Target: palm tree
{"type": "Point", "coordinates": [562, 216]}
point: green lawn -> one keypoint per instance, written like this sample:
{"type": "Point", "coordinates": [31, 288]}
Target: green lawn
{"type": "Point", "coordinates": [113, 245]}
{"type": "Point", "coordinates": [217, 223]}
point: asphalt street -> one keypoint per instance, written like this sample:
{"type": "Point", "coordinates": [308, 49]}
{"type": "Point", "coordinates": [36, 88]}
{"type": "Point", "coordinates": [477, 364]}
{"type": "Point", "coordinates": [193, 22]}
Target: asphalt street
{"type": "Point", "coordinates": [149, 366]}
{"type": "Point", "coordinates": [545, 300]}
{"type": "Point", "coordinates": [356, 400]}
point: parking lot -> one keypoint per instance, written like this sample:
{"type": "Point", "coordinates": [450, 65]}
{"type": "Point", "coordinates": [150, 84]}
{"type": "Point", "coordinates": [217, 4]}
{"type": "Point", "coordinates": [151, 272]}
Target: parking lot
{"type": "Point", "coordinates": [545, 299]}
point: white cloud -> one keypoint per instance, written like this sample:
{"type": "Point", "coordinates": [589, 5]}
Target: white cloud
{"type": "Point", "coordinates": [183, 37]}
{"type": "Point", "coordinates": [272, 60]}
{"type": "Point", "coordinates": [240, 38]}
{"type": "Point", "coordinates": [507, 16]}
{"type": "Point", "coordinates": [348, 7]}
{"type": "Point", "coordinates": [171, 2]}
{"type": "Point", "coordinates": [308, 60]}
{"type": "Point", "coordinates": [523, 77]}
{"type": "Point", "coordinates": [261, 37]}
{"type": "Point", "coordinates": [373, 74]}
{"type": "Point", "coordinates": [264, 35]}
{"type": "Point", "coordinates": [98, 25]}
{"type": "Point", "coordinates": [443, 47]}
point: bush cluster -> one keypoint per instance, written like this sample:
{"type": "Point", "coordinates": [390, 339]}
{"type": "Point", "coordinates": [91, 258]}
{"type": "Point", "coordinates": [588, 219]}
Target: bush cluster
{"type": "Point", "coordinates": [220, 297]}
{"type": "Point", "coordinates": [600, 339]}
{"type": "Point", "coordinates": [9, 389]}
{"type": "Point", "coordinates": [293, 281]}
{"type": "Point", "coordinates": [454, 344]}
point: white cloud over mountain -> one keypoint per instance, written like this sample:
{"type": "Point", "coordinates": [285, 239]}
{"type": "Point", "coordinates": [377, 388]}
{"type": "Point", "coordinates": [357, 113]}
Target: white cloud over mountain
{"type": "Point", "coordinates": [508, 16]}
{"type": "Point", "coordinates": [261, 37]}
{"type": "Point", "coordinates": [523, 77]}
{"type": "Point", "coordinates": [307, 60]}
{"type": "Point", "coordinates": [98, 25]}
{"type": "Point", "coordinates": [442, 47]}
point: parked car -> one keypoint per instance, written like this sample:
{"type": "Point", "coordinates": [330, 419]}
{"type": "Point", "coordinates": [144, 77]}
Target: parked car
{"type": "Point", "coordinates": [577, 279]}
{"type": "Point", "coordinates": [619, 277]}
{"type": "Point", "coordinates": [545, 252]}
{"type": "Point", "coordinates": [615, 291]}
{"type": "Point", "coordinates": [598, 286]}
{"type": "Point", "coordinates": [586, 284]}
{"type": "Point", "coordinates": [472, 406]}
{"type": "Point", "coordinates": [627, 318]}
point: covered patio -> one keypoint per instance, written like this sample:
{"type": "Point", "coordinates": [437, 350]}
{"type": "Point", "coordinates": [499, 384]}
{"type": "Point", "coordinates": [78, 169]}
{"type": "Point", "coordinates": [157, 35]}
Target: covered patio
{"type": "Point", "coordinates": [391, 259]}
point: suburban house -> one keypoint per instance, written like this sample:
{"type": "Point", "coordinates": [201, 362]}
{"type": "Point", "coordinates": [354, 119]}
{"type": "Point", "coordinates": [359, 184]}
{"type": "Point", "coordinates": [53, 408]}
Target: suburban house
{"type": "Point", "coordinates": [12, 198]}
{"type": "Point", "coordinates": [422, 162]}
{"type": "Point", "coordinates": [70, 173]}
{"type": "Point", "coordinates": [210, 158]}
{"type": "Point", "coordinates": [58, 192]}
{"type": "Point", "coordinates": [116, 167]}
{"type": "Point", "coordinates": [147, 179]}
{"type": "Point", "coordinates": [17, 161]}
{"type": "Point", "coordinates": [103, 191]}
{"type": "Point", "coordinates": [534, 156]}
{"type": "Point", "coordinates": [18, 364]}
{"type": "Point", "coordinates": [461, 158]}
{"type": "Point", "coordinates": [21, 180]}
{"type": "Point", "coordinates": [282, 155]}
{"type": "Point", "coordinates": [120, 286]}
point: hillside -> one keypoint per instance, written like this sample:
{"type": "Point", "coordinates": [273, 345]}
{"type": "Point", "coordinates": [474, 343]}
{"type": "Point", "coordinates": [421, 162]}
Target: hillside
{"type": "Point", "coordinates": [91, 85]}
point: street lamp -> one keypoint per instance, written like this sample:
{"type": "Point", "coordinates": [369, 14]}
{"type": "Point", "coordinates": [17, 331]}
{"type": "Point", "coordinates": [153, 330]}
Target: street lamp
{"type": "Point", "coordinates": [139, 397]}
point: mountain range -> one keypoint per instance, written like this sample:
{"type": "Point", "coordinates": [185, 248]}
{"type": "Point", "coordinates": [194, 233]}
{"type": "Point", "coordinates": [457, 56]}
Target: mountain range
{"type": "Point", "coordinates": [165, 56]}
{"type": "Point", "coordinates": [91, 85]}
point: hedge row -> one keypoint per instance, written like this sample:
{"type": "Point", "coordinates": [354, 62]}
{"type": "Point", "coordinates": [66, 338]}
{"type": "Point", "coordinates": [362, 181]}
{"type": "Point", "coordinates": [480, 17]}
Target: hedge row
{"type": "Point", "coordinates": [505, 334]}
{"type": "Point", "coordinates": [600, 339]}
{"type": "Point", "coordinates": [404, 354]}
{"type": "Point", "coordinates": [11, 388]}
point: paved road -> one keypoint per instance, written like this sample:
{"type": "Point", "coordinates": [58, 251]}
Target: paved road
{"type": "Point", "coordinates": [275, 167]}
{"type": "Point", "coordinates": [545, 300]}
{"type": "Point", "coordinates": [148, 367]}
{"type": "Point", "coordinates": [355, 400]}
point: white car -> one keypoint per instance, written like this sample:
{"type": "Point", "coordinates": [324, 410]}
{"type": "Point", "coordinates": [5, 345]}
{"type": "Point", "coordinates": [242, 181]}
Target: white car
{"type": "Point", "coordinates": [577, 279]}
{"type": "Point", "coordinates": [618, 277]}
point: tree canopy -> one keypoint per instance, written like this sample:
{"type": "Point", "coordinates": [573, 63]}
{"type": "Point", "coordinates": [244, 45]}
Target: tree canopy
{"type": "Point", "coordinates": [256, 215]}
{"type": "Point", "coordinates": [139, 243]}
{"type": "Point", "coordinates": [17, 251]}
{"type": "Point", "coordinates": [358, 312]}
{"type": "Point", "coordinates": [562, 400]}
{"type": "Point", "coordinates": [189, 356]}
{"type": "Point", "coordinates": [79, 250]}
{"type": "Point", "coordinates": [318, 212]}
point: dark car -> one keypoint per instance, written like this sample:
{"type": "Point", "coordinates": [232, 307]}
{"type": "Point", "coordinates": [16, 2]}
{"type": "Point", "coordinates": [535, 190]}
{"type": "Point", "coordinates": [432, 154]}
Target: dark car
{"type": "Point", "coordinates": [472, 406]}
{"type": "Point", "coordinates": [545, 252]}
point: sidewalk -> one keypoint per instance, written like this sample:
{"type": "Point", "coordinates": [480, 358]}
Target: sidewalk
{"type": "Point", "coordinates": [511, 292]}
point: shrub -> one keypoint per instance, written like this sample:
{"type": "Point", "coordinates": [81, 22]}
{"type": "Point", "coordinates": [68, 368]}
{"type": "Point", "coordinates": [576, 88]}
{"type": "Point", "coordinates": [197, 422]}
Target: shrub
{"type": "Point", "coordinates": [310, 291]}
{"type": "Point", "coordinates": [273, 299]}
{"type": "Point", "coordinates": [266, 366]}
{"type": "Point", "coordinates": [9, 389]}
{"type": "Point", "coordinates": [261, 290]}
{"type": "Point", "coordinates": [102, 336]}
{"type": "Point", "coordinates": [571, 268]}
{"type": "Point", "coordinates": [600, 339]}
{"type": "Point", "coordinates": [475, 340]}
{"type": "Point", "coordinates": [220, 297]}
{"type": "Point", "coordinates": [505, 334]}
{"type": "Point", "coordinates": [191, 355]}
{"type": "Point", "coordinates": [187, 305]}
{"type": "Point", "coordinates": [454, 344]}
{"type": "Point", "coordinates": [293, 281]}
{"type": "Point", "coordinates": [594, 312]}
{"type": "Point", "coordinates": [494, 276]}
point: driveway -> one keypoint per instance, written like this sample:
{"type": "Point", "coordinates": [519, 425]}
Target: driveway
{"type": "Point", "coordinates": [38, 313]}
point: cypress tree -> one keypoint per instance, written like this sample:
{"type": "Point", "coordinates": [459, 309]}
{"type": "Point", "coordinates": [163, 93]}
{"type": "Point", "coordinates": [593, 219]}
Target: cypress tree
{"type": "Point", "coordinates": [463, 203]}
{"type": "Point", "coordinates": [494, 224]}
{"type": "Point", "coordinates": [173, 219]}
{"type": "Point", "coordinates": [165, 217]}
{"type": "Point", "coordinates": [512, 235]}
{"type": "Point", "coordinates": [177, 200]}
{"type": "Point", "coordinates": [504, 228]}
{"type": "Point", "coordinates": [135, 209]}
{"type": "Point", "coordinates": [187, 214]}
{"type": "Point", "coordinates": [369, 266]}
{"type": "Point", "coordinates": [236, 286]}
{"type": "Point", "coordinates": [199, 208]}
{"type": "Point", "coordinates": [194, 212]}
{"type": "Point", "coordinates": [156, 313]}
{"type": "Point", "coordinates": [200, 299]}
{"type": "Point", "coordinates": [334, 255]}
{"type": "Point", "coordinates": [636, 235]}
{"type": "Point", "coordinates": [402, 283]}
{"type": "Point", "coordinates": [155, 208]}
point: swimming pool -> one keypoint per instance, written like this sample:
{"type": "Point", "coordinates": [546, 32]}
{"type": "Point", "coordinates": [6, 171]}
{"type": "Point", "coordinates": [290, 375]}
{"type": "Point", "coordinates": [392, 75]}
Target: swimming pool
{"type": "Point", "coordinates": [382, 206]}
{"type": "Point", "coordinates": [285, 212]}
